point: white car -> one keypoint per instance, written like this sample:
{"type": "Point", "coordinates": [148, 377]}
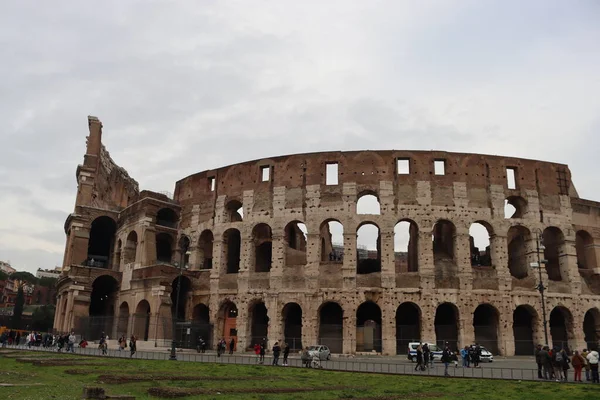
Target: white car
{"type": "Point", "coordinates": [434, 348]}
{"type": "Point", "coordinates": [320, 351]}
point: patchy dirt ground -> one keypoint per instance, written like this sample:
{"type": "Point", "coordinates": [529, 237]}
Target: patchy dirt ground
{"type": "Point", "coordinates": [116, 379]}
{"type": "Point", "coordinates": [171, 392]}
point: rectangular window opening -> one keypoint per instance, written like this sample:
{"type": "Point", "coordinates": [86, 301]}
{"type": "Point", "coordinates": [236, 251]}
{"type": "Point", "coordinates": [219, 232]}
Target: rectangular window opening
{"type": "Point", "coordinates": [511, 177]}
{"type": "Point", "coordinates": [439, 167]}
{"type": "Point", "coordinates": [212, 183]}
{"type": "Point", "coordinates": [331, 174]}
{"type": "Point", "coordinates": [403, 165]}
{"type": "Point", "coordinates": [265, 173]}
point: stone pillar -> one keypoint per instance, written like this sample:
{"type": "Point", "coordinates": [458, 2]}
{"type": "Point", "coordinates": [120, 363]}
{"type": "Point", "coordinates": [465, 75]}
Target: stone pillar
{"type": "Point", "coordinates": [349, 266]}
{"type": "Point", "coordinates": [499, 254]}
{"type": "Point", "coordinates": [388, 330]}
{"type": "Point", "coordinates": [242, 327]}
{"type": "Point", "coordinates": [69, 321]}
{"type": "Point", "coordinates": [428, 323]}
{"type": "Point", "coordinates": [196, 258]}
{"type": "Point", "coordinates": [58, 317]}
{"type": "Point", "coordinates": [79, 245]}
{"type": "Point", "coordinates": [426, 264]}
{"type": "Point", "coordinates": [218, 267]}
{"type": "Point", "coordinates": [462, 257]}
{"type": "Point", "coordinates": [311, 271]}
{"type": "Point", "coordinates": [310, 327]}
{"type": "Point", "coordinates": [246, 264]}
{"type": "Point", "coordinates": [277, 260]}
{"type": "Point", "coordinates": [568, 265]}
{"type": "Point", "coordinates": [349, 327]}
{"type": "Point", "coordinates": [148, 246]}
{"type": "Point", "coordinates": [388, 266]}
{"type": "Point", "coordinates": [275, 329]}
{"type": "Point", "coordinates": [506, 342]}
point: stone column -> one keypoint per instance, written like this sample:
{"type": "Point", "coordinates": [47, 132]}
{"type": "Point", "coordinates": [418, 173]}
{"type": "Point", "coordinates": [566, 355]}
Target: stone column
{"type": "Point", "coordinates": [218, 267]}
{"type": "Point", "coordinates": [506, 342]}
{"type": "Point", "coordinates": [58, 317]}
{"type": "Point", "coordinates": [69, 317]}
{"type": "Point", "coordinates": [275, 329]}
{"type": "Point", "coordinates": [242, 327]}
{"type": "Point", "coordinates": [568, 266]}
{"type": "Point", "coordinates": [349, 266]}
{"type": "Point", "coordinates": [426, 263]}
{"type": "Point", "coordinates": [428, 323]}
{"type": "Point", "coordinates": [462, 257]}
{"type": "Point", "coordinates": [246, 264]}
{"type": "Point", "coordinates": [148, 246]}
{"type": "Point", "coordinates": [388, 266]}
{"type": "Point", "coordinates": [311, 271]}
{"type": "Point", "coordinates": [499, 253]}
{"type": "Point", "coordinates": [388, 330]}
{"type": "Point", "coordinates": [310, 330]}
{"type": "Point", "coordinates": [277, 261]}
{"type": "Point", "coordinates": [349, 327]}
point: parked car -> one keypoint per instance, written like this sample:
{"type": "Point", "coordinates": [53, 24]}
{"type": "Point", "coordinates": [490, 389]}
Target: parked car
{"type": "Point", "coordinates": [434, 348]}
{"type": "Point", "coordinates": [320, 351]}
{"type": "Point", "coordinates": [486, 355]}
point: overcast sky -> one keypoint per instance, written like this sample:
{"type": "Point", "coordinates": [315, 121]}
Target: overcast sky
{"type": "Point", "coordinates": [184, 86]}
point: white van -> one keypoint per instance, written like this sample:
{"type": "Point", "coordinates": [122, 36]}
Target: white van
{"type": "Point", "coordinates": [434, 348]}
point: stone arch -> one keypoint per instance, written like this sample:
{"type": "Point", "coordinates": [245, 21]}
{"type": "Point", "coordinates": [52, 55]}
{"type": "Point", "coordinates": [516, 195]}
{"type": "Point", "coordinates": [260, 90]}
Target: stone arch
{"type": "Point", "coordinates": [586, 253]}
{"type": "Point", "coordinates": [480, 234]}
{"type": "Point", "coordinates": [179, 305]}
{"type": "Point", "coordinates": [131, 245]}
{"type": "Point", "coordinates": [368, 204]}
{"type": "Point", "coordinates": [554, 242]}
{"type": "Point", "coordinates": [164, 248]}
{"type": "Point", "coordinates": [525, 322]}
{"type": "Point", "coordinates": [368, 327]}
{"type": "Point", "coordinates": [201, 326]}
{"type": "Point", "coordinates": [205, 248]}
{"type": "Point", "coordinates": [263, 247]}
{"type": "Point", "coordinates": [291, 317]}
{"type": "Point", "coordinates": [295, 238]}
{"type": "Point", "coordinates": [105, 289]}
{"type": "Point", "coordinates": [517, 239]}
{"type": "Point", "coordinates": [368, 248]}
{"type": "Point", "coordinates": [408, 326]}
{"type": "Point", "coordinates": [515, 207]}
{"type": "Point", "coordinates": [184, 251]}
{"type": "Point", "coordinates": [447, 325]}
{"type": "Point", "coordinates": [444, 244]}
{"type": "Point", "coordinates": [227, 321]}
{"type": "Point", "coordinates": [258, 320]}
{"type": "Point", "coordinates": [331, 326]}
{"type": "Point", "coordinates": [331, 233]}
{"type": "Point", "coordinates": [406, 246]}
{"type": "Point", "coordinates": [234, 211]}
{"type": "Point", "coordinates": [123, 321]}
{"type": "Point", "coordinates": [232, 244]}
{"type": "Point", "coordinates": [141, 325]}
{"type": "Point", "coordinates": [486, 324]}
{"type": "Point", "coordinates": [561, 327]}
{"type": "Point", "coordinates": [591, 328]}
{"type": "Point", "coordinates": [101, 243]}
{"type": "Point", "coordinates": [167, 217]}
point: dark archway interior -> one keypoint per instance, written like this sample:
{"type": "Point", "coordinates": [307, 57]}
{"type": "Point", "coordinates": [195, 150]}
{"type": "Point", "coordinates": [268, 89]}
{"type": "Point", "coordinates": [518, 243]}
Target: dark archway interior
{"type": "Point", "coordinates": [519, 204]}
{"type": "Point", "coordinates": [166, 217]}
{"type": "Point", "coordinates": [446, 325]}
{"type": "Point", "coordinates": [228, 322]}
{"type": "Point", "coordinates": [443, 240]}
{"type": "Point", "coordinates": [485, 323]}
{"type": "Point", "coordinates": [260, 324]}
{"type": "Point", "coordinates": [292, 322]}
{"type": "Point", "coordinates": [164, 248]}
{"type": "Point", "coordinates": [205, 245]}
{"type": "Point", "coordinates": [233, 242]}
{"type": "Point", "coordinates": [263, 250]}
{"type": "Point", "coordinates": [123, 320]}
{"type": "Point", "coordinates": [558, 328]}
{"type": "Point", "coordinates": [141, 323]}
{"type": "Point", "coordinates": [368, 327]}
{"type": "Point", "coordinates": [517, 251]}
{"type": "Point", "coordinates": [101, 243]}
{"type": "Point", "coordinates": [131, 247]}
{"type": "Point", "coordinates": [184, 250]}
{"type": "Point", "coordinates": [591, 329]}
{"type": "Point", "coordinates": [523, 331]}
{"type": "Point", "coordinates": [232, 211]}
{"type": "Point", "coordinates": [368, 259]}
{"type": "Point", "coordinates": [184, 288]}
{"type": "Point", "coordinates": [553, 240]}
{"type": "Point", "coordinates": [480, 257]}
{"type": "Point", "coordinates": [408, 326]}
{"type": "Point", "coordinates": [102, 299]}
{"type": "Point", "coordinates": [201, 314]}
{"type": "Point", "coordinates": [201, 327]}
{"type": "Point", "coordinates": [331, 331]}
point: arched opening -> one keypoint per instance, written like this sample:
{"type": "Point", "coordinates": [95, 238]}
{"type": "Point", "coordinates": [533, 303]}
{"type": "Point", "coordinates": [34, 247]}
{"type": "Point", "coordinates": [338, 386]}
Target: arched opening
{"type": "Point", "coordinates": [368, 249]}
{"type": "Point", "coordinates": [561, 327]}
{"type": "Point", "coordinates": [232, 242]}
{"type": "Point", "coordinates": [295, 238]}
{"type": "Point", "coordinates": [517, 238]}
{"type": "Point", "coordinates": [164, 248]}
{"type": "Point", "coordinates": [368, 204]}
{"type": "Point", "coordinates": [184, 251]}
{"type": "Point", "coordinates": [332, 241]}
{"type": "Point", "coordinates": [406, 246]}
{"type": "Point", "coordinates": [141, 325]}
{"type": "Point", "coordinates": [263, 247]}
{"type": "Point", "coordinates": [104, 294]}
{"type": "Point", "coordinates": [408, 326]}
{"type": "Point", "coordinates": [479, 240]}
{"type": "Point", "coordinates": [586, 253]}
{"type": "Point", "coordinates": [331, 328]}
{"type": "Point", "coordinates": [101, 242]}
{"type": "Point", "coordinates": [259, 323]}
{"type": "Point", "coordinates": [201, 327]}
{"type": "Point", "coordinates": [234, 211]}
{"type": "Point", "coordinates": [167, 217]}
{"type": "Point", "coordinates": [179, 305]}
{"type": "Point", "coordinates": [486, 323]}
{"type": "Point", "coordinates": [515, 207]}
{"type": "Point", "coordinates": [524, 320]}
{"type": "Point", "coordinates": [368, 327]}
{"type": "Point", "coordinates": [292, 325]}
{"type": "Point", "coordinates": [553, 240]}
{"type": "Point", "coordinates": [123, 322]}
{"type": "Point", "coordinates": [131, 247]}
{"type": "Point", "coordinates": [445, 267]}
{"type": "Point", "coordinates": [591, 328]}
{"type": "Point", "coordinates": [228, 321]}
{"type": "Point", "coordinates": [205, 247]}
{"type": "Point", "coordinates": [446, 325]}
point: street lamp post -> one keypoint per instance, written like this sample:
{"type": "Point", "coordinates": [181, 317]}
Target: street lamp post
{"type": "Point", "coordinates": [173, 356]}
{"type": "Point", "coordinates": [540, 286]}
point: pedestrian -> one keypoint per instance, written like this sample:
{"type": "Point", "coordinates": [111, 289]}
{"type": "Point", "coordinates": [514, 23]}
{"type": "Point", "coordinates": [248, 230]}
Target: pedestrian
{"type": "Point", "coordinates": [557, 365]}
{"type": "Point", "coordinates": [455, 358]}
{"type": "Point", "coordinates": [477, 355]}
{"type": "Point", "coordinates": [286, 353]}
{"type": "Point", "coordinates": [464, 353]}
{"type": "Point", "coordinates": [593, 359]}
{"type": "Point", "coordinates": [578, 362]}
{"type": "Point", "coordinates": [584, 354]}
{"type": "Point", "coordinates": [426, 353]}
{"type": "Point", "coordinates": [257, 352]}
{"type": "Point", "coordinates": [546, 362]}
{"type": "Point", "coordinates": [305, 357]}
{"type": "Point", "coordinates": [231, 345]}
{"type": "Point", "coordinates": [262, 353]}
{"type": "Point", "coordinates": [446, 358]}
{"type": "Point", "coordinates": [276, 352]}
{"type": "Point", "coordinates": [132, 345]}
{"type": "Point", "coordinates": [565, 364]}
{"type": "Point", "coordinates": [83, 343]}
{"type": "Point", "coordinates": [538, 360]}
{"type": "Point", "coordinates": [71, 343]}
{"type": "Point", "coordinates": [419, 365]}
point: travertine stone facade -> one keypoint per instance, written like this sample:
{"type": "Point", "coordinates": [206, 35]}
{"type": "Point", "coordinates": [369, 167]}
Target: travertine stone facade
{"type": "Point", "coordinates": [254, 271]}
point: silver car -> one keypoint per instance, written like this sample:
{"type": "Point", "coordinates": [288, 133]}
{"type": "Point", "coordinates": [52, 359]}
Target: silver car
{"type": "Point", "coordinates": [320, 351]}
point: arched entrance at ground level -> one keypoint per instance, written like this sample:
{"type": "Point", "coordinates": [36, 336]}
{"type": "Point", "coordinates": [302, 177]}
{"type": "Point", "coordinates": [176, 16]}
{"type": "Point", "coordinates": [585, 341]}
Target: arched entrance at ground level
{"type": "Point", "coordinates": [486, 322]}
{"type": "Point", "coordinates": [101, 243]}
{"type": "Point", "coordinates": [292, 325]}
{"type": "Point", "coordinates": [227, 322]}
{"type": "Point", "coordinates": [591, 328]}
{"type": "Point", "coordinates": [141, 320]}
{"type": "Point", "coordinates": [259, 323]}
{"type": "Point", "coordinates": [201, 327]}
{"type": "Point", "coordinates": [123, 321]}
{"type": "Point", "coordinates": [368, 327]}
{"type": "Point", "coordinates": [561, 327]}
{"type": "Point", "coordinates": [331, 326]}
{"type": "Point", "coordinates": [446, 325]}
{"type": "Point", "coordinates": [524, 319]}
{"type": "Point", "coordinates": [408, 326]}
{"type": "Point", "coordinates": [185, 285]}
{"type": "Point", "coordinates": [102, 307]}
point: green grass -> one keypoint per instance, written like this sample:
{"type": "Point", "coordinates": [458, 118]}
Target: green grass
{"type": "Point", "coordinates": [56, 384]}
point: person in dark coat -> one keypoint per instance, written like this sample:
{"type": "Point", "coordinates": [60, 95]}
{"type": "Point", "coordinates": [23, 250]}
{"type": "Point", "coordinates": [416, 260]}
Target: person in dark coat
{"type": "Point", "coordinates": [276, 352]}
{"type": "Point", "coordinates": [231, 346]}
{"type": "Point", "coordinates": [446, 359]}
{"type": "Point", "coordinates": [419, 365]}
{"type": "Point", "coordinates": [262, 353]}
{"type": "Point", "coordinates": [286, 353]}
{"type": "Point", "coordinates": [426, 355]}
{"type": "Point", "coordinates": [538, 360]}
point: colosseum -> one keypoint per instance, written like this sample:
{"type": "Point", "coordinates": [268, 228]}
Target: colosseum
{"type": "Point", "coordinates": [456, 248]}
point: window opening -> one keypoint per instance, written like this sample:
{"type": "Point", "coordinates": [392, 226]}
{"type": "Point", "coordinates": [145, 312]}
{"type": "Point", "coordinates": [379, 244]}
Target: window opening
{"type": "Point", "coordinates": [439, 167]}
{"type": "Point", "coordinates": [331, 174]}
{"type": "Point", "coordinates": [511, 177]}
{"type": "Point", "coordinates": [265, 173]}
{"type": "Point", "coordinates": [403, 165]}
{"type": "Point", "coordinates": [212, 182]}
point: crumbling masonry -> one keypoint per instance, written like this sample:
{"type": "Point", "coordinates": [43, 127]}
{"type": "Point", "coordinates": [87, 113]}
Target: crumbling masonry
{"type": "Point", "coordinates": [257, 245]}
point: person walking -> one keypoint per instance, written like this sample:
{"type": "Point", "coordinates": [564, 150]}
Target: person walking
{"type": "Point", "coordinates": [564, 365]}
{"type": "Point", "coordinates": [262, 353]}
{"type": "Point", "coordinates": [446, 358]}
{"type": "Point", "coordinates": [593, 359]}
{"type": "Point", "coordinates": [132, 345]}
{"type": "Point", "coordinates": [557, 365]}
{"type": "Point", "coordinates": [538, 360]}
{"type": "Point", "coordinates": [71, 343]}
{"type": "Point", "coordinates": [426, 353]}
{"type": "Point", "coordinates": [584, 354]}
{"type": "Point", "coordinates": [464, 354]}
{"type": "Point", "coordinates": [286, 353]}
{"type": "Point", "coordinates": [231, 346]}
{"type": "Point", "coordinates": [578, 363]}
{"type": "Point", "coordinates": [257, 352]}
{"type": "Point", "coordinates": [276, 352]}
{"type": "Point", "coordinates": [546, 363]}
{"type": "Point", "coordinates": [419, 365]}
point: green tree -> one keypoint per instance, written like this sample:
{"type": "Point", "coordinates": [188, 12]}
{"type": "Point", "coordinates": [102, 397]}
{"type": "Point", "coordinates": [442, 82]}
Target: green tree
{"type": "Point", "coordinates": [3, 275]}
{"type": "Point", "coordinates": [24, 277]}
{"type": "Point", "coordinates": [42, 318]}
{"type": "Point", "coordinates": [47, 282]}
{"type": "Point", "coordinates": [18, 309]}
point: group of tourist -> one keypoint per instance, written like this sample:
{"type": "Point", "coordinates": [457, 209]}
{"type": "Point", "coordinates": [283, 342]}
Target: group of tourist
{"type": "Point", "coordinates": [425, 357]}
{"type": "Point", "coordinates": [261, 348]}
{"type": "Point", "coordinates": [221, 346]}
{"type": "Point", "coordinates": [38, 339]}
{"type": "Point", "coordinates": [554, 364]}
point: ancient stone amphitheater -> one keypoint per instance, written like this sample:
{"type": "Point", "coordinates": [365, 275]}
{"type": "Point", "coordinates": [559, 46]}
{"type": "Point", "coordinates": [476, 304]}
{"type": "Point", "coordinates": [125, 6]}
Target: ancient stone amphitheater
{"type": "Point", "coordinates": [362, 251]}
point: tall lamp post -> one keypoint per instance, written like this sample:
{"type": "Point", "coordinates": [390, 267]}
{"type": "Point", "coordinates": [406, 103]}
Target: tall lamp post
{"type": "Point", "coordinates": [540, 286]}
{"type": "Point", "coordinates": [173, 356]}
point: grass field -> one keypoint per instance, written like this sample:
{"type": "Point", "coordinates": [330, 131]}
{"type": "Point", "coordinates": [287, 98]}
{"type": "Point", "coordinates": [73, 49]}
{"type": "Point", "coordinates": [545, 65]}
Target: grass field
{"type": "Point", "coordinates": [58, 376]}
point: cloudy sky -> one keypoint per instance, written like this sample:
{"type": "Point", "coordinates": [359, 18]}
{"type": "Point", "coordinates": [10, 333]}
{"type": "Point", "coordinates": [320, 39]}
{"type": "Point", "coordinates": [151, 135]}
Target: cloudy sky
{"type": "Point", "coordinates": [183, 86]}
